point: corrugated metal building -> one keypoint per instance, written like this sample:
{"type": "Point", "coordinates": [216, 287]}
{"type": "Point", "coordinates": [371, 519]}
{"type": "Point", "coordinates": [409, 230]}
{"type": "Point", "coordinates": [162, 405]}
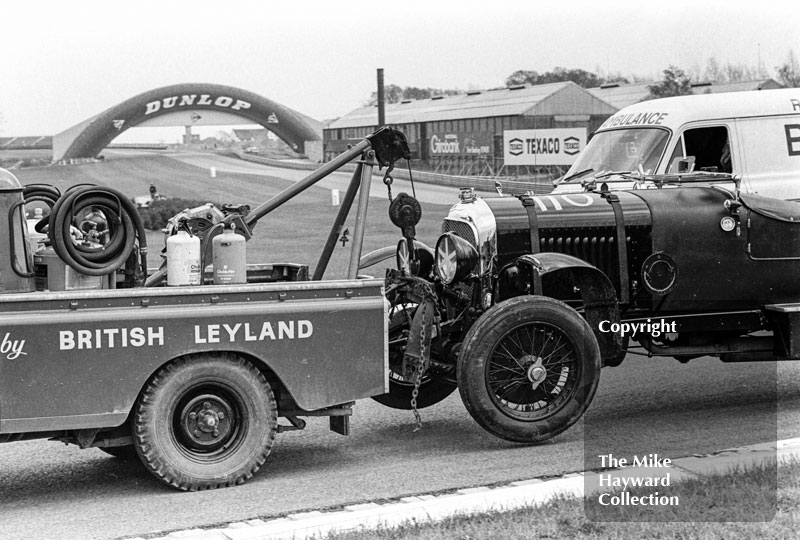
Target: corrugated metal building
{"type": "Point", "coordinates": [463, 134]}
{"type": "Point", "coordinates": [622, 95]}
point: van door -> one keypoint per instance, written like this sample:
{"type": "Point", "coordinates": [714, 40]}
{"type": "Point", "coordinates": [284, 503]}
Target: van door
{"type": "Point", "coordinates": [771, 148]}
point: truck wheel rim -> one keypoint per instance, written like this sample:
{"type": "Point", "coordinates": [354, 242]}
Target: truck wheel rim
{"type": "Point", "coordinates": [532, 371]}
{"type": "Point", "coordinates": [207, 422]}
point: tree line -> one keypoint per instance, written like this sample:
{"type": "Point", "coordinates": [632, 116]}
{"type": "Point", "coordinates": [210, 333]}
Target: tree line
{"type": "Point", "coordinates": [674, 80]}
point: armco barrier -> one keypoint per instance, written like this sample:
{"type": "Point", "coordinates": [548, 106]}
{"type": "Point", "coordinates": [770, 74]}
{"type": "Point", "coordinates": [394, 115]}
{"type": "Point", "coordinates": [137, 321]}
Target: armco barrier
{"type": "Point", "coordinates": [538, 185]}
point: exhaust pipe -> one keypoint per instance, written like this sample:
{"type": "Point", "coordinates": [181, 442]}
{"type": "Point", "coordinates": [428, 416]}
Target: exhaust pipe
{"type": "Point", "coordinates": [735, 350]}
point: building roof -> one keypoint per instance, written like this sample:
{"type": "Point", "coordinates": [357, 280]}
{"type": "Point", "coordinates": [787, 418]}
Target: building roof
{"type": "Point", "coordinates": [565, 98]}
{"type": "Point", "coordinates": [741, 86]}
{"type": "Point", "coordinates": [623, 95]}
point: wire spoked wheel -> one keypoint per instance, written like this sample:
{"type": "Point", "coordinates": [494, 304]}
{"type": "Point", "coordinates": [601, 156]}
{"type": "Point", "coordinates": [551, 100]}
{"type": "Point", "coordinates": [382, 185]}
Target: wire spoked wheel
{"type": "Point", "coordinates": [528, 369]}
{"type": "Point", "coordinates": [532, 371]}
{"type": "Point", "coordinates": [431, 390]}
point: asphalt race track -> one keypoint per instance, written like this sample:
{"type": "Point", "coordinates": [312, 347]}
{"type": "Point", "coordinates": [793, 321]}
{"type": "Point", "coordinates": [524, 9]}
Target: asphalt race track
{"type": "Point", "coordinates": [49, 491]}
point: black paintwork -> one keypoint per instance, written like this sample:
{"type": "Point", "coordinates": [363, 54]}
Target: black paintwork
{"type": "Point", "coordinates": [714, 270]}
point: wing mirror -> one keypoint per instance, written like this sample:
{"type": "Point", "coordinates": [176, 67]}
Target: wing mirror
{"type": "Point", "coordinates": [682, 165]}
{"type": "Point", "coordinates": [732, 206]}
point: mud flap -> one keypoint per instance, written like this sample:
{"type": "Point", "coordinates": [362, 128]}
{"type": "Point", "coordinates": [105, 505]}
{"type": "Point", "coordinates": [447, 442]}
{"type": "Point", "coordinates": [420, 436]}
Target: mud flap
{"type": "Point", "coordinates": [340, 425]}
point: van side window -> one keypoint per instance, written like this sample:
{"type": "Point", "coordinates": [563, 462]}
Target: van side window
{"type": "Point", "coordinates": [710, 148]}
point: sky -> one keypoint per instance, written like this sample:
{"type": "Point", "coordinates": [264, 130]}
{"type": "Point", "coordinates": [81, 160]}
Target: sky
{"type": "Point", "coordinates": [63, 62]}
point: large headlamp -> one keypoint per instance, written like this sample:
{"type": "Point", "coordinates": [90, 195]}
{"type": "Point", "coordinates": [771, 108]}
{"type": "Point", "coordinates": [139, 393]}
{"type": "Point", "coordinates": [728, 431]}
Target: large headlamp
{"type": "Point", "coordinates": [455, 258]}
{"type": "Point", "coordinates": [420, 265]}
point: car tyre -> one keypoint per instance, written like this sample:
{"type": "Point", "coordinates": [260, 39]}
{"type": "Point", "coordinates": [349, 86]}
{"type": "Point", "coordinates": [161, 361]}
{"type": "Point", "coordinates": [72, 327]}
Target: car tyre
{"type": "Point", "coordinates": [431, 392]}
{"type": "Point", "coordinates": [528, 369]}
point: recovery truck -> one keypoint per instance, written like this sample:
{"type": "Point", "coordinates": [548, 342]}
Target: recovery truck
{"type": "Point", "coordinates": [521, 303]}
{"type": "Point", "coordinates": [191, 379]}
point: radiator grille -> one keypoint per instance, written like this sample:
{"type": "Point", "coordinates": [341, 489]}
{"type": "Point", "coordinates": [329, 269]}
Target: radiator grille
{"type": "Point", "coordinates": [600, 250]}
{"type": "Point", "coordinates": [461, 229]}
{"type": "Point", "coordinates": [464, 231]}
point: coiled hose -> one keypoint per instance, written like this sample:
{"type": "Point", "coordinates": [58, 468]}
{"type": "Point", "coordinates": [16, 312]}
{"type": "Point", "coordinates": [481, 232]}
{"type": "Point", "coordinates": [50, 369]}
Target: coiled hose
{"type": "Point", "coordinates": [41, 193]}
{"type": "Point", "coordinates": [125, 227]}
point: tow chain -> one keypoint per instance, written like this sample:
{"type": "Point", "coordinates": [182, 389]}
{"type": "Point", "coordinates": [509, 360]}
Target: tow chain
{"type": "Point", "coordinates": [415, 365]}
{"type": "Point", "coordinates": [419, 368]}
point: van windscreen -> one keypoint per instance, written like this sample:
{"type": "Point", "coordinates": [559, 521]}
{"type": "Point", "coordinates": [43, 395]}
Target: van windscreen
{"type": "Point", "coordinates": [622, 150]}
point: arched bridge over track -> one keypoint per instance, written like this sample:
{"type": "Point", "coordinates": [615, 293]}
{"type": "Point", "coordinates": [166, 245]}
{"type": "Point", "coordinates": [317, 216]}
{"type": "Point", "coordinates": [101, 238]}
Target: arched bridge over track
{"type": "Point", "coordinates": [184, 105]}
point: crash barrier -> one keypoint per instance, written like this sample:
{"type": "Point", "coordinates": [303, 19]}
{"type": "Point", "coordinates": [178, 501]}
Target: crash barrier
{"type": "Point", "coordinates": [538, 185]}
{"type": "Point", "coordinates": [137, 146]}
{"type": "Point", "coordinates": [26, 143]}
{"type": "Point", "coordinates": [76, 161]}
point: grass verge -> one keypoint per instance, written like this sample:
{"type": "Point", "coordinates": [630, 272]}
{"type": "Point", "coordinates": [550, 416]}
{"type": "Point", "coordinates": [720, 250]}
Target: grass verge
{"type": "Point", "coordinates": [749, 489]}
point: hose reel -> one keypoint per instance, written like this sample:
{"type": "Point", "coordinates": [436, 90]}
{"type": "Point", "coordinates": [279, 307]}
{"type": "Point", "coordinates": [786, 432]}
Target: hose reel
{"type": "Point", "coordinates": [95, 230]}
{"type": "Point", "coordinates": [41, 193]}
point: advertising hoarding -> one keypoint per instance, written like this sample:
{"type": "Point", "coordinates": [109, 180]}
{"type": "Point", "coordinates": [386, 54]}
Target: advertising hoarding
{"type": "Point", "coordinates": [543, 146]}
{"type": "Point", "coordinates": [460, 143]}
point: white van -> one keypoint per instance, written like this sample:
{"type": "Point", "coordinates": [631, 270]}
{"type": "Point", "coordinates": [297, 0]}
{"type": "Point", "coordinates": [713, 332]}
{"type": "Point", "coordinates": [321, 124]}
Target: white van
{"type": "Point", "coordinates": [755, 135]}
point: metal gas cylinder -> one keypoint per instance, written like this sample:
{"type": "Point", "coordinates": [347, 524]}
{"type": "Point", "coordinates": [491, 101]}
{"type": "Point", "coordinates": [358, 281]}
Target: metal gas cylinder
{"type": "Point", "coordinates": [230, 257]}
{"type": "Point", "coordinates": [183, 259]}
{"type": "Point", "coordinates": [36, 239]}
{"type": "Point", "coordinates": [16, 261]}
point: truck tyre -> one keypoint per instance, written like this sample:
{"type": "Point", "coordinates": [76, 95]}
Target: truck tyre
{"type": "Point", "coordinates": [529, 368]}
{"type": "Point", "coordinates": [205, 421]}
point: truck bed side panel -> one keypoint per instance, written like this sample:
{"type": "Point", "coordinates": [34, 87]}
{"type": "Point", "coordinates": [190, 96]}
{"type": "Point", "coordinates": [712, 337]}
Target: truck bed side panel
{"type": "Point", "coordinates": [84, 367]}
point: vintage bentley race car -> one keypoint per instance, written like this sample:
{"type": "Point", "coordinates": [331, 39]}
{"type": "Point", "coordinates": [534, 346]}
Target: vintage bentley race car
{"type": "Point", "coordinates": [525, 298]}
